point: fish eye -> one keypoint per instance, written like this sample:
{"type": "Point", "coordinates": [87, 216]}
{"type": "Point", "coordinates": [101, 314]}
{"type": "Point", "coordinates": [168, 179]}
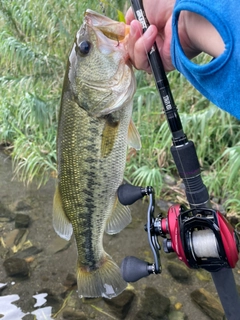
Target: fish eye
{"type": "Point", "coordinates": [84, 47]}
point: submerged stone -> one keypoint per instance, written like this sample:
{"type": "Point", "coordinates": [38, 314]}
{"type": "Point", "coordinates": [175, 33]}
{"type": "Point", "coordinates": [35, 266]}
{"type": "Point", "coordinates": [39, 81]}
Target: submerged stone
{"type": "Point", "coordinates": [179, 272]}
{"type": "Point", "coordinates": [208, 304]}
{"type": "Point", "coordinates": [50, 298]}
{"type": "Point", "coordinates": [22, 220]}
{"type": "Point", "coordinates": [16, 267]}
{"type": "Point", "coordinates": [121, 304]}
{"type": "Point", "coordinates": [155, 306]}
{"type": "Point", "coordinates": [3, 286]}
{"type": "Point", "coordinates": [6, 215]}
{"type": "Point", "coordinates": [21, 205]}
{"type": "Point", "coordinates": [203, 275]}
{"type": "Point", "coordinates": [29, 252]}
{"type": "Point", "coordinates": [10, 238]}
{"type": "Point", "coordinates": [70, 314]}
{"type": "Point", "coordinates": [177, 315]}
{"type": "Point", "coordinates": [70, 282]}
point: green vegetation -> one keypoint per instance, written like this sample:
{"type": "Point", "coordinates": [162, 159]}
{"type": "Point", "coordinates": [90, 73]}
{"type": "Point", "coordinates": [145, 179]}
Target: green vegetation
{"type": "Point", "coordinates": [35, 38]}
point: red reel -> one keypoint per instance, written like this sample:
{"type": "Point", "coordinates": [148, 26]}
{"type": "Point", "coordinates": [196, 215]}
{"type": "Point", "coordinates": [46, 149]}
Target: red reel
{"type": "Point", "coordinates": [200, 239]}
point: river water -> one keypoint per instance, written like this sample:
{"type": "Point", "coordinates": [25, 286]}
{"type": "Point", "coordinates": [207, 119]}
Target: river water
{"type": "Point", "coordinates": [45, 294]}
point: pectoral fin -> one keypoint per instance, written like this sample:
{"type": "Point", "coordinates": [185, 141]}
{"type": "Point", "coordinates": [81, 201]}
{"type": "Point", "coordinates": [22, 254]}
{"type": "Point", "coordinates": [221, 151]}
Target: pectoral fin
{"type": "Point", "coordinates": [119, 219]}
{"type": "Point", "coordinates": [61, 224]}
{"type": "Point", "coordinates": [109, 135]}
{"type": "Point", "coordinates": [134, 139]}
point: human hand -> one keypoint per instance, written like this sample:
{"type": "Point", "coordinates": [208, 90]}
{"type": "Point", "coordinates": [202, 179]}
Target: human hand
{"type": "Point", "coordinates": [195, 33]}
{"type": "Point", "coordinates": [159, 15]}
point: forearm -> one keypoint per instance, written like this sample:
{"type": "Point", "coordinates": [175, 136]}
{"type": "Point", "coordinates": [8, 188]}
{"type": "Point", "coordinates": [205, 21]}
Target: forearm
{"type": "Point", "coordinates": [200, 35]}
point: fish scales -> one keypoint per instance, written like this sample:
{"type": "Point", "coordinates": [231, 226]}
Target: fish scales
{"type": "Point", "coordinates": [91, 148]}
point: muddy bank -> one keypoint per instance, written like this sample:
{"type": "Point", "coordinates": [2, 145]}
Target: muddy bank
{"type": "Point", "coordinates": [47, 290]}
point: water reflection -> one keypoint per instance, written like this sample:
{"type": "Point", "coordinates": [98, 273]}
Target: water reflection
{"type": "Point", "coordinates": [43, 313]}
{"type": "Point", "coordinates": [9, 311]}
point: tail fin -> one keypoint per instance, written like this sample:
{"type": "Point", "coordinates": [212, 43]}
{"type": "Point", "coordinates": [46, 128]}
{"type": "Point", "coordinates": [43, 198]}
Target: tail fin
{"type": "Point", "coordinates": [106, 281]}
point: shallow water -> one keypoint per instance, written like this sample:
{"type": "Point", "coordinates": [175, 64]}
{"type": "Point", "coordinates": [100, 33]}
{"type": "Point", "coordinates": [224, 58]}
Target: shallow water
{"type": "Point", "coordinates": [9, 311]}
{"type": "Point", "coordinates": [43, 293]}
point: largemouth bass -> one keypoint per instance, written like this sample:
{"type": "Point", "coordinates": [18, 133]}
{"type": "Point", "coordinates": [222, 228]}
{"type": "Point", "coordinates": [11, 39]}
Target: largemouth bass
{"type": "Point", "coordinates": [93, 132]}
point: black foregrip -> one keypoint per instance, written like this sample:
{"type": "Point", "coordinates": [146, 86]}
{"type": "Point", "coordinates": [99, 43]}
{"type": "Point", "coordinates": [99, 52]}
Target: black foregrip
{"type": "Point", "coordinates": [128, 194]}
{"type": "Point", "coordinates": [186, 160]}
{"type": "Point", "coordinates": [196, 191]}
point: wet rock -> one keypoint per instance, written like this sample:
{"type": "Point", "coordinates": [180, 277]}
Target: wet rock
{"type": "Point", "coordinates": [28, 253]}
{"type": "Point", "coordinates": [70, 282]}
{"type": "Point", "coordinates": [22, 220]}
{"type": "Point", "coordinates": [9, 239]}
{"type": "Point", "coordinates": [16, 239]}
{"type": "Point", "coordinates": [177, 315]}
{"type": "Point", "coordinates": [16, 267]}
{"type": "Point", "coordinates": [21, 205]}
{"type": "Point", "coordinates": [69, 314]}
{"type": "Point", "coordinates": [20, 238]}
{"type": "Point", "coordinates": [3, 286]}
{"type": "Point", "coordinates": [179, 272]}
{"type": "Point", "coordinates": [52, 299]}
{"type": "Point", "coordinates": [155, 306]}
{"type": "Point", "coordinates": [6, 215]}
{"type": "Point", "coordinates": [121, 304]}
{"type": "Point", "coordinates": [203, 275]}
{"type": "Point", "coordinates": [208, 304]}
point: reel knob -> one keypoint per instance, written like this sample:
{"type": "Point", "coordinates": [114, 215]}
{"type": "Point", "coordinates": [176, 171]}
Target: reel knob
{"type": "Point", "coordinates": [134, 269]}
{"type": "Point", "coordinates": [128, 194]}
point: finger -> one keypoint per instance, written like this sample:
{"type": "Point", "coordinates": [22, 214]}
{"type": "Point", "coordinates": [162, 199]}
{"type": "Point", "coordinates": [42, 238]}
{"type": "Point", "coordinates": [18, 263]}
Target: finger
{"type": "Point", "coordinates": [129, 17]}
{"type": "Point", "coordinates": [135, 34]}
{"type": "Point", "coordinates": [142, 46]}
{"type": "Point", "coordinates": [164, 46]}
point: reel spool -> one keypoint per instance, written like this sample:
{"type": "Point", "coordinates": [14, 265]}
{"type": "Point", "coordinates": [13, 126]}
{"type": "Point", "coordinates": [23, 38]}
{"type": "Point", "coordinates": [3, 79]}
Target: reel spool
{"type": "Point", "coordinates": [203, 244]}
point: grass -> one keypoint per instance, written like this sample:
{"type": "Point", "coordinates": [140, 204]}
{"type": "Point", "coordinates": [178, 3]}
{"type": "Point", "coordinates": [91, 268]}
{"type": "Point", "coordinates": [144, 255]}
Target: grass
{"type": "Point", "coordinates": [35, 39]}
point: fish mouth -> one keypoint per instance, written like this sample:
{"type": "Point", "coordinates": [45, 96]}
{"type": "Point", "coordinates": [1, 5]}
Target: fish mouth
{"type": "Point", "coordinates": [111, 34]}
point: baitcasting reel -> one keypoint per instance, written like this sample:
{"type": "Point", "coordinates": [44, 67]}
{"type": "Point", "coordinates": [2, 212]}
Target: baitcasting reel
{"type": "Point", "coordinates": [201, 238]}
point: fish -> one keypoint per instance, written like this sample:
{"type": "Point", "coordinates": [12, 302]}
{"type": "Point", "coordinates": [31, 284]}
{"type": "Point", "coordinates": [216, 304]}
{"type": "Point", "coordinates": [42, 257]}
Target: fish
{"type": "Point", "coordinates": [94, 131]}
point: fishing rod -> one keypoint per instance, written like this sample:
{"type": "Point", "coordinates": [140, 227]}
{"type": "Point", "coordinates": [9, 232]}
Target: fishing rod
{"type": "Point", "coordinates": [200, 236]}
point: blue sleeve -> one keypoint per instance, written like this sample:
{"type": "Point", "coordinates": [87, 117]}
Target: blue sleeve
{"type": "Point", "coordinates": [219, 80]}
